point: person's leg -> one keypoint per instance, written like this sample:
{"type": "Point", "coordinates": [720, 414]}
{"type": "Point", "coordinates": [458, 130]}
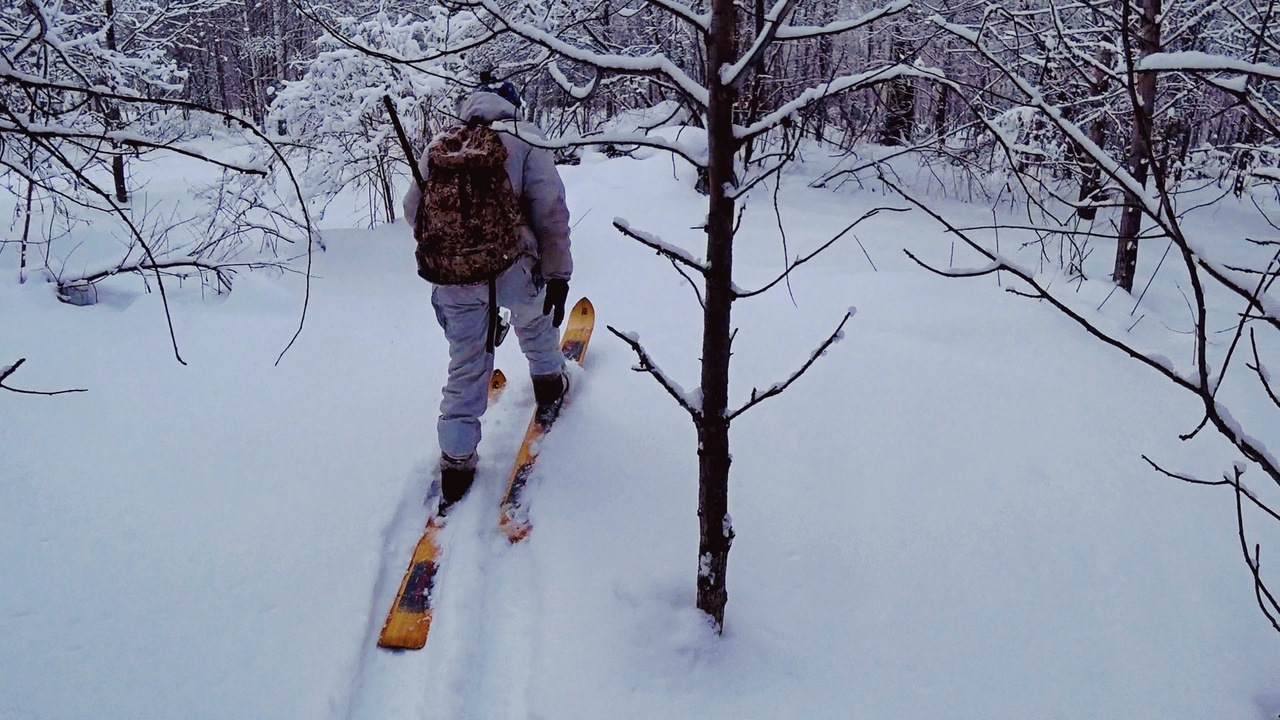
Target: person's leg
{"type": "Point", "coordinates": [463, 314]}
{"type": "Point", "coordinates": [539, 340]}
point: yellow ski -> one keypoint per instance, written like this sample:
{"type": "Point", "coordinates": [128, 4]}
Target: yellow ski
{"type": "Point", "coordinates": [514, 521]}
{"type": "Point", "coordinates": [409, 619]}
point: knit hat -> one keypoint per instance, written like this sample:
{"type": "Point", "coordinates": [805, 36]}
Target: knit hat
{"type": "Point", "coordinates": [504, 90]}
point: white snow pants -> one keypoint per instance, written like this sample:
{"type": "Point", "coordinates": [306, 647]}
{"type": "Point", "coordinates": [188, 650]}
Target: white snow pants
{"type": "Point", "coordinates": [463, 313]}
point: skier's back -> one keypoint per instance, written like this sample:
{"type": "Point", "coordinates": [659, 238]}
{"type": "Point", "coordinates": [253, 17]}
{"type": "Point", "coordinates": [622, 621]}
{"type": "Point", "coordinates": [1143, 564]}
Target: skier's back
{"type": "Point", "coordinates": [533, 288]}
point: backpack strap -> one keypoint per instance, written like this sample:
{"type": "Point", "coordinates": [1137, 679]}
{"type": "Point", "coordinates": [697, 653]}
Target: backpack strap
{"type": "Point", "coordinates": [491, 336]}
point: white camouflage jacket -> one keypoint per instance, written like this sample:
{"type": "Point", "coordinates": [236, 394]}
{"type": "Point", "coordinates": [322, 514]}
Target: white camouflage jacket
{"type": "Point", "coordinates": [533, 173]}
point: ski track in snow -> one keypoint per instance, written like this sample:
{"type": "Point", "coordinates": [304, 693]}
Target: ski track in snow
{"type": "Point", "coordinates": [479, 655]}
{"type": "Point", "coordinates": [379, 672]}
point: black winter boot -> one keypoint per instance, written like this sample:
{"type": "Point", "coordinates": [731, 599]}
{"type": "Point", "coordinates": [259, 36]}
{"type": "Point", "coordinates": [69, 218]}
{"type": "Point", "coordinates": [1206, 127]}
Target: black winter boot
{"type": "Point", "coordinates": [549, 390]}
{"type": "Point", "coordinates": [454, 483]}
{"type": "Point", "coordinates": [549, 395]}
{"type": "Point", "coordinates": [456, 477]}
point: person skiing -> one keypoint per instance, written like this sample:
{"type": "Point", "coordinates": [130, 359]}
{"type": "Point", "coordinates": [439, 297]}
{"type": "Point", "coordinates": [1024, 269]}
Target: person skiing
{"type": "Point", "coordinates": [533, 289]}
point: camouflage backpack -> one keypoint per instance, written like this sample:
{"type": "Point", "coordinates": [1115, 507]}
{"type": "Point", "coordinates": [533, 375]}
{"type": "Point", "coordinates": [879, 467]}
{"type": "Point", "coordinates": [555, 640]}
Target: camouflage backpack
{"type": "Point", "coordinates": [468, 220]}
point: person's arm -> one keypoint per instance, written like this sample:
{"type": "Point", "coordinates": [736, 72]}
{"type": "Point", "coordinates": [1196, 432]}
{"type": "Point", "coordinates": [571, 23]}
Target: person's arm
{"type": "Point", "coordinates": [548, 213]}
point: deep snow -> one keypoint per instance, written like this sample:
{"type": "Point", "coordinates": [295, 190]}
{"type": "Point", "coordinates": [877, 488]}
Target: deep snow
{"type": "Point", "coordinates": [948, 517]}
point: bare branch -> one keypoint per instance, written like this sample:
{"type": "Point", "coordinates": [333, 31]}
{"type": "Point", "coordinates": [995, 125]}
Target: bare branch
{"type": "Point", "coordinates": [757, 397]}
{"type": "Point", "coordinates": [649, 366]}
{"type": "Point", "coordinates": [1255, 566]}
{"type": "Point", "coordinates": [1160, 365]}
{"type": "Point", "coordinates": [1226, 480]}
{"type": "Point", "coordinates": [802, 260]}
{"type": "Point", "coordinates": [5, 372]}
{"type": "Point", "coordinates": [1260, 370]}
{"type": "Point", "coordinates": [992, 267]}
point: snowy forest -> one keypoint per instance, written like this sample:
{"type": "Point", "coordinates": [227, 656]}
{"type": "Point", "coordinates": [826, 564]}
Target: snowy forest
{"type": "Point", "coordinates": [1104, 173]}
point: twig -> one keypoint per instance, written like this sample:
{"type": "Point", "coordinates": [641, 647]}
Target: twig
{"type": "Point", "coordinates": [648, 365]}
{"type": "Point", "coordinates": [992, 267]}
{"type": "Point", "coordinates": [757, 397]}
{"type": "Point", "coordinates": [6, 372]}
{"type": "Point", "coordinates": [800, 261]}
{"type": "Point", "coordinates": [674, 254]}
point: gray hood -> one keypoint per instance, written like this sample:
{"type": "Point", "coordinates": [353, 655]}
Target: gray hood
{"type": "Point", "coordinates": [486, 106]}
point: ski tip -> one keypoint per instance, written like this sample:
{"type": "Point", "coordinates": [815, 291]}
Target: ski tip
{"type": "Point", "coordinates": [514, 528]}
{"type": "Point", "coordinates": [405, 631]}
{"type": "Point", "coordinates": [517, 532]}
{"type": "Point", "coordinates": [584, 308]}
{"type": "Point", "coordinates": [497, 380]}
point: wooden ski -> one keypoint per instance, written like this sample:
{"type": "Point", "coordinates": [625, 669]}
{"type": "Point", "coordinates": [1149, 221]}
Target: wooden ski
{"type": "Point", "coordinates": [514, 521]}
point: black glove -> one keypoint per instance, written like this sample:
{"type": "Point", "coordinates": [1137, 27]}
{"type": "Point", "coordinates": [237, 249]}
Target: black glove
{"type": "Point", "coordinates": [557, 291]}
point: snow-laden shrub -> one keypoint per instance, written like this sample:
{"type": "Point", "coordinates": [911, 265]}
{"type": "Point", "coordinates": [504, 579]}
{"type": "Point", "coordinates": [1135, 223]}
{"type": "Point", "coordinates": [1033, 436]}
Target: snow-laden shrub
{"type": "Point", "coordinates": [333, 118]}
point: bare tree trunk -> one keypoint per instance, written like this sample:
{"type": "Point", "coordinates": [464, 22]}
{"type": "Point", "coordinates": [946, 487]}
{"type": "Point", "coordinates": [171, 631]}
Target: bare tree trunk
{"type": "Point", "coordinates": [940, 110]}
{"type": "Point", "coordinates": [112, 113]}
{"type": "Point", "coordinates": [606, 17]}
{"type": "Point", "coordinates": [900, 105]}
{"type": "Point", "coordinates": [216, 47]}
{"type": "Point", "coordinates": [1097, 134]}
{"type": "Point", "coordinates": [716, 531]}
{"type": "Point", "coordinates": [757, 87]}
{"type": "Point", "coordinates": [1144, 94]}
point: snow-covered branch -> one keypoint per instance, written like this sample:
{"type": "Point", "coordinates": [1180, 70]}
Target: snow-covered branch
{"type": "Point", "coordinates": [733, 74]}
{"type": "Point", "coordinates": [1201, 62]}
{"type": "Point", "coordinates": [577, 92]}
{"type": "Point", "coordinates": [647, 365]}
{"type": "Point", "coordinates": [667, 250]}
{"type": "Point", "coordinates": [696, 155]}
{"type": "Point", "coordinates": [834, 87]}
{"type": "Point", "coordinates": [701, 21]}
{"type": "Point", "coordinates": [805, 32]}
{"type": "Point", "coordinates": [652, 64]}
{"type": "Point", "coordinates": [759, 396]}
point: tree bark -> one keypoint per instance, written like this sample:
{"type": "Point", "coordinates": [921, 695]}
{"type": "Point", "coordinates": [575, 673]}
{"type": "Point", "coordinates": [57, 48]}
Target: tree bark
{"type": "Point", "coordinates": [1097, 135]}
{"type": "Point", "coordinates": [900, 105]}
{"type": "Point", "coordinates": [1139, 143]}
{"type": "Point", "coordinates": [112, 113]}
{"type": "Point", "coordinates": [26, 233]}
{"type": "Point", "coordinates": [716, 531]}
{"type": "Point", "coordinates": [757, 87]}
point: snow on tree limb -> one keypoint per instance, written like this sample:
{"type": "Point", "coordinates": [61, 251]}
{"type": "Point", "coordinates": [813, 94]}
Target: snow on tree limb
{"type": "Point", "coordinates": [673, 253]}
{"type": "Point", "coordinates": [805, 32]}
{"type": "Point", "coordinates": [655, 64]}
{"type": "Point", "coordinates": [1035, 98]}
{"type": "Point", "coordinates": [574, 91]}
{"type": "Point", "coordinates": [696, 155]}
{"type": "Point", "coordinates": [834, 87]}
{"type": "Point", "coordinates": [702, 21]}
{"type": "Point", "coordinates": [686, 400]}
{"type": "Point", "coordinates": [1200, 62]}
{"type": "Point", "coordinates": [733, 74]}
{"type": "Point", "coordinates": [758, 396]}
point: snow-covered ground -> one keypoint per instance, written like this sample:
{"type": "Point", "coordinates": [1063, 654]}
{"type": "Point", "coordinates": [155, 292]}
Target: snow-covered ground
{"type": "Point", "coordinates": [948, 517]}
